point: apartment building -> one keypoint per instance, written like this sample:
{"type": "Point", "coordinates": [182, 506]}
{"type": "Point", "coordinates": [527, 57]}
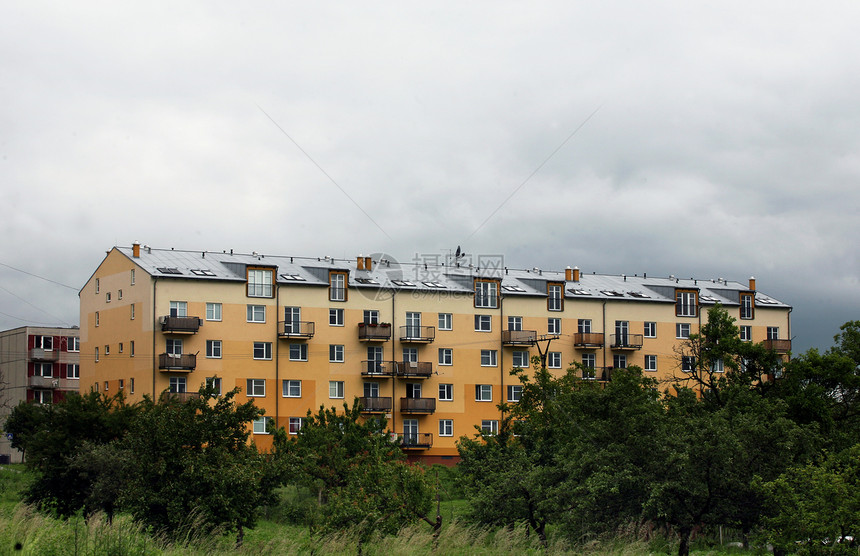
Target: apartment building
{"type": "Point", "coordinates": [39, 365]}
{"type": "Point", "coordinates": [429, 344]}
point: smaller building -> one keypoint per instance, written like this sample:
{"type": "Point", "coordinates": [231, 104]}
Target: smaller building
{"type": "Point", "coordinates": [38, 365]}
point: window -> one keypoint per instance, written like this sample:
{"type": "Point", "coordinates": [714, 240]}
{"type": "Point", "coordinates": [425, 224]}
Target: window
{"type": "Point", "coordinates": [296, 424]}
{"type": "Point", "coordinates": [553, 360]}
{"type": "Point", "coordinates": [583, 326]}
{"type": "Point", "coordinates": [446, 392]}
{"type": "Point", "coordinates": [131, 311]}
{"type": "Point", "coordinates": [446, 321]}
{"type": "Point", "coordinates": [685, 304]}
{"type": "Point", "coordinates": [410, 431]}
{"type": "Point", "coordinates": [446, 356]}
{"type": "Point", "coordinates": [650, 362]}
{"type": "Point", "coordinates": [688, 363]}
{"type": "Point", "coordinates": [178, 309]}
{"type": "Point", "coordinates": [335, 353]}
{"type": "Point", "coordinates": [256, 313]}
{"type": "Point", "coordinates": [747, 306]}
{"type": "Point", "coordinates": [515, 323]}
{"type": "Point", "coordinates": [214, 383]}
{"type": "Point", "coordinates": [773, 333]}
{"type": "Point", "coordinates": [717, 366]}
{"type": "Point", "coordinates": [515, 392]}
{"type": "Point", "coordinates": [298, 352]}
{"type": "Point", "coordinates": [259, 282]}
{"type": "Point", "coordinates": [371, 316]}
{"type": "Point", "coordinates": [107, 350]}
{"type": "Point", "coordinates": [97, 318]}
{"type": "Point", "coordinates": [682, 330]}
{"type": "Point", "coordinates": [177, 384]}
{"type": "Point", "coordinates": [483, 393]}
{"type": "Point", "coordinates": [619, 361]}
{"type": "Point", "coordinates": [335, 317]}
{"type": "Point", "coordinates": [746, 333]}
{"type": "Point", "coordinates": [413, 325]}
{"type": "Point", "coordinates": [107, 297]}
{"type": "Point", "coordinates": [292, 320]}
{"type": "Point", "coordinates": [43, 342]}
{"type": "Point", "coordinates": [488, 358]}
{"type": "Point", "coordinates": [520, 359]}
{"type": "Point", "coordinates": [45, 370]}
{"type": "Point", "coordinates": [106, 386]}
{"type": "Point", "coordinates": [97, 285]}
{"type": "Point", "coordinates": [44, 396]}
{"type": "Point", "coordinates": [263, 350]}
{"type": "Point", "coordinates": [650, 329]}
{"type": "Point", "coordinates": [120, 347]}
{"type": "Point", "coordinates": [261, 425]}
{"type": "Point", "coordinates": [553, 325]}
{"type": "Point", "coordinates": [371, 389]}
{"type": "Point", "coordinates": [256, 387]}
{"type": "Point", "coordinates": [410, 355]}
{"type": "Point", "coordinates": [213, 311]}
{"type": "Point", "coordinates": [97, 355]}
{"type": "Point", "coordinates": [213, 349]}
{"type": "Point", "coordinates": [622, 327]}
{"type": "Point", "coordinates": [446, 427]}
{"type": "Point", "coordinates": [73, 370]}
{"type": "Point", "coordinates": [555, 299]}
{"type": "Point", "coordinates": [131, 348]}
{"type": "Point", "coordinates": [292, 388]}
{"type": "Point", "coordinates": [490, 426]}
{"type": "Point", "coordinates": [132, 276]}
{"type": "Point", "coordinates": [589, 360]}
{"type": "Point", "coordinates": [121, 384]}
{"type": "Point", "coordinates": [483, 323]}
{"type": "Point", "coordinates": [73, 343]}
{"type": "Point", "coordinates": [119, 294]}
{"type": "Point", "coordinates": [337, 286]}
{"type": "Point", "coordinates": [486, 294]}
{"type": "Point", "coordinates": [413, 390]}
{"type": "Point", "coordinates": [335, 389]}
{"type": "Point", "coordinates": [131, 385]}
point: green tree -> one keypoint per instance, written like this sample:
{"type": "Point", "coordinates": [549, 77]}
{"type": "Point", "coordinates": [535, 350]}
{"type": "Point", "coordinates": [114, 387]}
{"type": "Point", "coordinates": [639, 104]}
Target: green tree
{"type": "Point", "coordinates": [23, 422]}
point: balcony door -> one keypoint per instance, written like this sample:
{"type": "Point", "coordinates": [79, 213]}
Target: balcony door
{"type": "Point", "coordinates": [413, 325]}
{"type": "Point", "coordinates": [292, 318]}
{"type": "Point", "coordinates": [410, 431]}
{"type": "Point", "coordinates": [621, 330]}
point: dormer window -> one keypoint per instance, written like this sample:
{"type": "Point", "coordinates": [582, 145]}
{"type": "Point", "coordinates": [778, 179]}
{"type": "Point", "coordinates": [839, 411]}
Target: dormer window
{"type": "Point", "coordinates": [747, 306]}
{"type": "Point", "coordinates": [486, 294]}
{"type": "Point", "coordinates": [259, 282]}
{"type": "Point", "coordinates": [555, 297]}
{"type": "Point", "coordinates": [337, 286]}
{"type": "Point", "coordinates": [686, 303]}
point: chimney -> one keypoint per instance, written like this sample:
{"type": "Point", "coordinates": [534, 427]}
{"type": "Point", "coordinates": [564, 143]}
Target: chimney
{"type": "Point", "coordinates": [135, 249]}
{"type": "Point", "coordinates": [576, 274]}
{"type": "Point", "coordinates": [359, 263]}
{"type": "Point", "coordinates": [568, 274]}
{"type": "Point", "coordinates": [368, 263]}
{"type": "Point", "coordinates": [752, 283]}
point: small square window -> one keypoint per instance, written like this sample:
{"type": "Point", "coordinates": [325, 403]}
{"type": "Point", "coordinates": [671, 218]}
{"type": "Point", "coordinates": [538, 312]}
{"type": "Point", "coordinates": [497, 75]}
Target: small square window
{"type": "Point", "coordinates": [446, 356]}
{"type": "Point", "coordinates": [490, 426]}
{"type": "Point", "coordinates": [262, 350]}
{"type": "Point", "coordinates": [214, 383]}
{"type": "Point", "coordinates": [515, 392]}
{"type": "Point", "coordinates": [298, 352]}
{"type": "Point", "coordinates": [292, 389]}
{"type": "Point", "coordinates": [213, 311]}
{"type": "Point", "coordinates": [213, 349]}
{"type": "Point", "coordinates": [256, 313]}
{"type": "Point", "coordinates": [688, 363]}
{"type": "Point", "coordinates": [335, 353]}
{"type": "Point", "coordinates": [520, 359]}
{"type": "Point", "coordinates": [262, 424]}
{"type": "Point", "coordinates": [483, 323]}
{"type": "Point", "coordinates": [446, 427]}
{"type": "Point", "coordinates": [682, 330]}
{"type": "Point", "coordinates": [553, 360]}
{"type": "Point", "coordinates": [335, 389]}
{"type": "Point", "coordinates": [483, 393]}
{"type": "Point", "coordinates": [446, 321]}
{"type": "Point", "coordinates": [650, 329]}
{"type": "Point", "coordinates": [256, 387]}
{"type": "Point", "coordinates": [335, 317]}
{"type": "Point", "coordinates": [489, 358]}
{"type": "Point", "coordinates": [446, 392]}
{"type": "Point", "coordinates": [296, 425]}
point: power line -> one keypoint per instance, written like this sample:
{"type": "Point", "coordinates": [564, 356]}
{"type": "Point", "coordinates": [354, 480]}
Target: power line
{"type": "Point", "coordinates": [39, 277]}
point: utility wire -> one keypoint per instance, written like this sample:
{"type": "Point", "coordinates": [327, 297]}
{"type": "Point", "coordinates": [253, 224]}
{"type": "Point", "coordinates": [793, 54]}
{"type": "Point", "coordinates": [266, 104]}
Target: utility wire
{"type": "Point", "coordinates": [39, 277]}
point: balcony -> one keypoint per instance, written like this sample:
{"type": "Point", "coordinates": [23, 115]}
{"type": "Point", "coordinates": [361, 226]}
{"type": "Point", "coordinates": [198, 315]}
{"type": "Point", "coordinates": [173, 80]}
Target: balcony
{"type": "Point", "coordinates": [374, 332]}
{"type": "Point", "coordinates": [417, 334]}
{"type": "Point", "coordinates": [418, 405]}
{"type": "Point", "coordinates": [375, 405]}
{"type": "Point", "coordinates": [39, 354]}
{"type": "Point", "coordinates": [588, 340]}
{"type": "Point", "coordinates": [296, 330]}
{"type": "Point", "coordinates": [181, 397]}
{"type": "Point", "coordinates": [177, 362]}
{"type": "Point", "coordinates": [625, 341]}
{"type": "Point", "coordinates": [416, 441]}
{"type": "Point", "coordinates": [377, 368]}
{"type": "Point", "coordinates": [180, 325]}
{"type": "Point", "coordinates": [598, 374]}
{"type": "Point", "coordinates": [413, 369]}
{"type": "Point", "coordinates": [779, 346]}
{"type": "Point", "coordinates": [518, 337]}
{"type": "Point", "coordinates": [37, 381]}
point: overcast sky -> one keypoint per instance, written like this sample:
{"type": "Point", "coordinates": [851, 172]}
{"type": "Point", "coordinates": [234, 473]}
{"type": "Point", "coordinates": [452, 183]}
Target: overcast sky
{"type": "Point", "coordinates": [705, 140]}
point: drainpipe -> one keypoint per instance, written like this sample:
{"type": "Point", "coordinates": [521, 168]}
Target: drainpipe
{"type": "Point", "coordinates": [277, 348]}
{"type": "Point", "coordinates": [501, 351]}
{"type": "Point", "coordinates": [605, 339]}
{"type": "Point", "coordinates": [393, 359]}
{"type": "Point", "coordinates": [154, 328]}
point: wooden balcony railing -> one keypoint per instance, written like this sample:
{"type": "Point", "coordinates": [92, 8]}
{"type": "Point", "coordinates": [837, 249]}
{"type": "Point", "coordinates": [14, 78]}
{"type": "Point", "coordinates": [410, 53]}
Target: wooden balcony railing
{"type": "Point", "coordinates": [375, 405]}
{"type": "Point", "coordinates": [417, 334]}
{"type": "Point", "coordinates": [599, 374]}
{"type": "Point", "coordinates": [374, 332]}
{"type": "Point", "coordinates": [518, 337]}
{"type": "Point", "coordinates": [588, 339]}
{"type": "Point", "coordinates": [779, 346]}
{"type": "Point", "coordinates": [377, 368]}
{"type": "Point", "coordinates": [413, 369]}
{"type": "Point", "coordinates": [417, 405]}
{"type": "Point", "coordinates": [296, 330]}
{"type": "Point", "coordinates": [180, 325]}
{"type": "Point", "coordinates": [181, 362]}
{"type": "Point", "coordinates": [416, 441]}
{"type": "Point", "coordinates": [179, 396]}
{"type": "Point", "coordinates": [625, 341]}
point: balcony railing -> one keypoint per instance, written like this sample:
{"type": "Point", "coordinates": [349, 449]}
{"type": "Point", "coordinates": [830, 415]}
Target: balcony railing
{"type": "Point", "coordinates": [296, 330]}
{"type": "Point", "coordinates": [377, 368]}
{"type": "Point", "coordinates": [599, 374]}
{"type": "Point", "coordinates": [625, 341]}
{"type": "Point", "coordinates": [417, 334]}
{"type": "Point", "coordinates": [588, 339]}
{"type": "Point", "coordinates": [518, 337]}
{"type": "Point", "coordinates": [779, 346]}
{"type": "Point", "coordinates": [417, 405]}
{"type": "Point", "coordinates": [413, 369]}
{"type": "Point", "coordinates": [374, 332]}
{"type": "Point", "coordinates": [177, 362]}
{"type": "Point", "coordinates": [180, 325]}
{"type": "Point", "coordinates": [375, 405]}
{"type": "Point", "coordinates": [416, 441]}
{"type": "Point", "coordinates": [179, 396]}
{"type": "Point", "coordinates": [39, 354]}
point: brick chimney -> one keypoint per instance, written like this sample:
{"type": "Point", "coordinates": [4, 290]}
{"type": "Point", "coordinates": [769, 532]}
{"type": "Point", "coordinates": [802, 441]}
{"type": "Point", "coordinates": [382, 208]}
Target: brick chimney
{"type": "Point", "coordinates": [752, 283]}
{"type": "Point", "coordinates": [568, 274]}
{"type": "Point", "coordinates": [576, 274]}
{"type": "Point", "coordinates": [368, 263]}
{"type": "Point", "coordinates": [359, 263]}
{"type": "Point", "coordinates": [135, 249]}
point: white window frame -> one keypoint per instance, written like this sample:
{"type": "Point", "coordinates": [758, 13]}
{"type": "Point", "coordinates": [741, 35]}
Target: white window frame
{"type": "Point", "coordinates": [583, 326]}
{"type": "Point", "coordinates": [73, 343]}
{"type": "Point", "coordinates": [483, 323]}
{"type": "Point", "coordinates": [260, 282]}
{"type": "Point", "coordinates": [486, 294]}
{"type": "Point", "coordinates": [213, 311]}
{"type": "Point", "coordinates": [446, 392]}
{"type": "Point", "coordinates": [555, 297]}
{"type": "Point", "coordinates": [291, 388]}
{"type": "Point", "coordinates": [519, 359]}
{"type": "Point", "coordinates": [553, 325]}
{"type": "Point", "coordinates": [73, 370]}
{"type": "Point", "coordinates": [446, 427]}
{"type": "Point", "coordinates": [589, 360]}
{"type": "Point", "coordinates": [619, 361]}
{"type": "Point", "coordinates": [177, 385]}
{"type": "Point", "coordinates": [131, 311]}
{"type": "Point", "coordinates": [39, 397]}
{"type": "Point", "coordinates": [651, 363]}
{"type": "Point", "coordinates": [446, 356]}
{"type": "Point", "coordinates": [43, 342]}
{"type": "Point", "coordinates": [717, 366]}
{"type": "Point", "coordinates": [298, 352]}
{"type": "Point", "coordinates": [688, 363]}
{"type": "Point", "coordinates": [295, 424]}
{"type": "Point", "coordinates": [685, 304]}
{"type": "Point", "coordinates": [178, 309]}
{"type": "Point", "coordinates": [211, 382]}
{"type": "Point", "coordinates": [746, 333]}
{"type": "Point", "coordinates": [747, 306]}
{"type": "Point", "coordinates": [262, 351]}
{"type": "Point", "coordinates": [261, 425]}
{"type": "Point", "coordinates": [515, 392]}
{"type": "Point", "coordinates": [337, 286]}
{"type": "Point", "coordinates": [255, 388]}
{"type": "Point", "coordinates": [490, 426]}
{"type": "Point", "coordinates": [682, 330]}
{"type": "Point", "coordinates": [335, 353]}
{"type": "Point", "coordinates": [335, 389]}
{"type": "Point", "coordinates": [335, 317]}
{"type": "Point", "coordinates": [515, 323]}
{"type": "Point", "coordinates": [256, 313]}
{"type": "Point", "coordinates": [489, 358]}
{"type": "Point", "coordinates": [553, 360]}
{"type": "Point", "coordinates": [446, 321]}
{"type": "Point", "coordinates": [213, 349]}
{"type": "Point", "coordinates": [40, 369]}
{"type": "Point", "coordinates": [650, 329]}
{"type": "Point", "coordinates": [483, 392]}
{"type": "Point", "coordinates": [773, 333]}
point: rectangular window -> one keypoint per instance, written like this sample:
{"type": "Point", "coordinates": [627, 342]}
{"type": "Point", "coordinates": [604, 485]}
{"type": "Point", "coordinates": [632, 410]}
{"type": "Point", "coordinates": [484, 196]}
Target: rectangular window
{"type": "Point", "coordinates": [213, 311]}
{"type": "Point", "coordinates": [486, 294]}
{"type": "Point", "coordinates": [131, 385]}
{"type": "Point", "coordinates": [583, 326]}
{"type": "Point", "coordinates": [650, 329]}
{"type": "Point", "coordinates": [45, 370]}
{"type": "Point", "coordinates": [413, 390]}
{"type": "Point", "coordinates": [446, 356]}
{"type": "Point", "coordinates": [717, 366]}
{"type": "Point", "coordinates": [650, 362]}
{"type": "Point", "coordinates": [555, 297]}
{"type": "Point", "coordinates": [259, 282]}
{"type": "Point", "coordinates": [446, 427]}
{"type": "Point", "coordinates": [97, 318]}
{"type": "Point", "coordinates": [589, 360]}
{"type": "Point", "coordinates": [262, 350]}
{"type": "Point", "coordinates": [178, 309]}
{"type": "Point", "coordinates": [410, 355]}
{"type": "Point", "coordinates": [292, 320]}
{"type": "Point", "coordinates": [490, 426]}
{"type": "Point", "coordinates": [131, 348]}
{"type": "Point", "coordinates": [177, 384]}
{"type": "Point", "coordinates": [553, 360]}
{"type": "Point", "coordinates": [214, 383]}
{"type": "Point", "coordinates": [446, 392]}
{"type": "Point", "coordinates": [45, 397]}
{"type": "Point", "coordinates": [746, 333]}
{"type": "Point", "coordinates": [446, 321]}
{"type": "Point", "coordinates": [73, 370]}
{"type": "Point", "coordinates": [622, 327]}
{"type": "Point", "coordinates": [106, 386]}
{"type": "Point", "coordinates": [337, 286]}
{"type": "Point", "coordinates": [97, 355]}
{"type": "Point", "coordinates": [120, 347]}
{"type": "Point", "coordinates": [256, 387]}
{"type": "Point", "coordinates": [553, 325]}
{"type": "Point", "coordinates": [132, 276]}
{"type": "Point", "coordinates": [296, 424]}
{"type": "Point", "coordinates": [292, 388]}
{"type": "Point", "coordinates": [107, 350]}
{"type": "Point", "coordinates": [371, 316]}
{"type": "Point", "coordinates": [256, 313]}
{"type": "Point", "coordinates": [483, 393]}
{"type": "Point", "coordinates": [119, 294]}
{"type": "Point", "coordinates": [773, 333]}
{"type": "Point", "coordinates": [747, 306]}
{"type": "Point", "coordinates": [489, 358]}
{"type": "Point", "coordinates": [515, 392]}
{"type": "Point", "coordinates": [685, 304]}
{"type": "Point", "coordinates": [483, 323]}
{"type": "Point", "coordinates": [261, 425]}
{"type": "Point", "coordinates": [335, 317]}
{"type": "Point", "coordinates": [73, 343]}
{"type": "Point", "coordinates": [213, 349]}
{"type": "Point", "coordinates": [335, 353]}
{"type": "Point", "coordinates": [619, 361]}
{"type": "Point", "coordinates": [43, 342]}
{"type": "Point", "coordinates": [413, 324]}
{"type": "Point", "coordinates": [121, 384]}
{"type": "Point", "coordinates": [298, 352]}
{"type": "Point", "coordinates": [520, 359]}
{"type": "Point", "coordinates": [107, 297]}
{"type": "Point", "coordinates": [335, 389]}
{"type": "Point", "coordinates": [682, 330]}
{"type": "Point", "coordinates": [371, 389]}
{"type": "Point", "coordinates": [515, 323]}
{"type": "Point", "coordinates": [688, 363]}
{"type": "Point", "coordinates": [131, 311]}
{"type": "Point", "coordinates": [97, 285]}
